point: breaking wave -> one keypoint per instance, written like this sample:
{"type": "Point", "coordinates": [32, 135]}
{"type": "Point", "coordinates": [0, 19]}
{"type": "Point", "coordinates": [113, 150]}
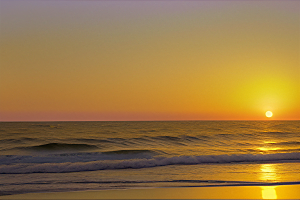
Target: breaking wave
{"type": "Point", "coordinates": [25, 168]}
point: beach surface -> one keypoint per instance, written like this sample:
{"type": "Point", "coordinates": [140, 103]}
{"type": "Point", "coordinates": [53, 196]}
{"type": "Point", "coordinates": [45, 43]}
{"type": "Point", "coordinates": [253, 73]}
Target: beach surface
{"type": "Point", "coordinates": [226, 192]}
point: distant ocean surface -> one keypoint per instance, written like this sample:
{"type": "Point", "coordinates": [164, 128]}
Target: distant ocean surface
{"type": "Point", "coordinates": [72, 156]}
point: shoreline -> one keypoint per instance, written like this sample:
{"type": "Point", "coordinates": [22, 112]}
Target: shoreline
{"type": "Point", "coordinates": [212, 192]}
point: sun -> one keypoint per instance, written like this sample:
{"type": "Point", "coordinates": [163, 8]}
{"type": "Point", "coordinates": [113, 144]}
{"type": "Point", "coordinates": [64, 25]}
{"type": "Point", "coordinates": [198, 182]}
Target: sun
{"type": "Point", "coordinates": [269, 114]}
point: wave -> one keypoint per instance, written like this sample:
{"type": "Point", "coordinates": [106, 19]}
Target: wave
{"type": "Point", "coordinates": [128, 152]}
{"type": "Point", "coordinates": [22, 168]}
{"type": "Point", "coordinates": [22, 139]}
{"type": "Point", "coordinates": [196, 183]}
{"type": "Point", "coordinates": [79, 156]}
{"type": "Point", "coordinates": [178, 140]}
{"type": "Point", "coordinates": [277, 133]}
{"type": "Point", "coordinates": [292, 143]}
{"type": "Point", "coordinates": [61, 146]}
{"type": "Point", "coordinates": [67, 186]}
{"type": "Point", "coordinates": [98, 141]}
{"type": "Point", "coordinates": [44, 125]}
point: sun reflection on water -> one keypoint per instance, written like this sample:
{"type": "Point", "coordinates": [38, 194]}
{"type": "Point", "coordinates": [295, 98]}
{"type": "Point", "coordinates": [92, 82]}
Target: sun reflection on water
{"type": "Point", "coordinates": [268, 173]}
{"type": "Point", "coordinates": [268, 146]}
{"type": "Point", "coordinates": [266, 149]}
{"type": "Point", "coordinates": [268, 192]}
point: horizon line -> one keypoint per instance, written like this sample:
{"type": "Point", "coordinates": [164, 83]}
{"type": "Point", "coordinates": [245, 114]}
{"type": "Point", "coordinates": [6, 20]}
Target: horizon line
{"type": "Point", "coordinates": [155, 120]}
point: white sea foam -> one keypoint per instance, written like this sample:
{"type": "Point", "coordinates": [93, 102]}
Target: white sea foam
{"type": "Point", "coordinates": [24, 168]}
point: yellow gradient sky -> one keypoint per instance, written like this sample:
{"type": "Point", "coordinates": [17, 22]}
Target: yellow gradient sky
{"type": "Point", "coordinates": [149, 60]}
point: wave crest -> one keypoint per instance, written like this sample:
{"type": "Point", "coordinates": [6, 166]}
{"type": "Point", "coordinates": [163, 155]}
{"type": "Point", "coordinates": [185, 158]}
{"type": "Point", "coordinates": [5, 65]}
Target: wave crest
{"type": "Point", "coordinates": [23, 168]}
{"type": "Point", "coordinates": [61, 146]}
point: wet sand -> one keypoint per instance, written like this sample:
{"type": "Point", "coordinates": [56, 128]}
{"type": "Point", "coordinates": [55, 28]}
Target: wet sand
{"type": "Point", "coordinates": [222, 192]}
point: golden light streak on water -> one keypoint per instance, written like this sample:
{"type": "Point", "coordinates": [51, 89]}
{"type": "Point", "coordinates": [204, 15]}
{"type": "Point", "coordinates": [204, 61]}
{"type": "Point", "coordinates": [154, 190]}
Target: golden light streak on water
{"type": "Point", "coordinates": [268, 149]}
{"type": "Point", "coordinates": [268, 192]}
{"type": "Point", "coordinates": [268, 172]}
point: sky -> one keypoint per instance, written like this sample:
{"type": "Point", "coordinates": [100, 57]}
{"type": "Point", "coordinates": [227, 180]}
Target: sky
{"type": "Point", "coordinates": [149, 60]}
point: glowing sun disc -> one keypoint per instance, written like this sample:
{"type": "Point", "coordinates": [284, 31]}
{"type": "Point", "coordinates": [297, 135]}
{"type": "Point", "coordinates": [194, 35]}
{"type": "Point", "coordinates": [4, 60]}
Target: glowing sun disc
{"type": "Point", "coordinates": [269, 114]}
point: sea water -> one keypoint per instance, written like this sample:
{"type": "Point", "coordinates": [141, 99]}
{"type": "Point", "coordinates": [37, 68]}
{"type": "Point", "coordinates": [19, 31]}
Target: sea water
{"type": "Point", "coordinates": [73, 156]}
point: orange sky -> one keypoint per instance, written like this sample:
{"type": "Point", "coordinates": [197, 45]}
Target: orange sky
{"type": "Point", "coordinates": [149, 60]}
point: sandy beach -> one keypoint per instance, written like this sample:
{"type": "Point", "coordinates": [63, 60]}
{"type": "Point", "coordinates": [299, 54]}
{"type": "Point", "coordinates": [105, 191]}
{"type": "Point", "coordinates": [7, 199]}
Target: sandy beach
{"type": "Point", "coordinates": [232, 192]}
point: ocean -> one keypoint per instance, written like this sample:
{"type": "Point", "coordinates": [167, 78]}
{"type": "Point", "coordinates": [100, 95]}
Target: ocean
{"type": "Point", "coordinates": [73, 156]}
